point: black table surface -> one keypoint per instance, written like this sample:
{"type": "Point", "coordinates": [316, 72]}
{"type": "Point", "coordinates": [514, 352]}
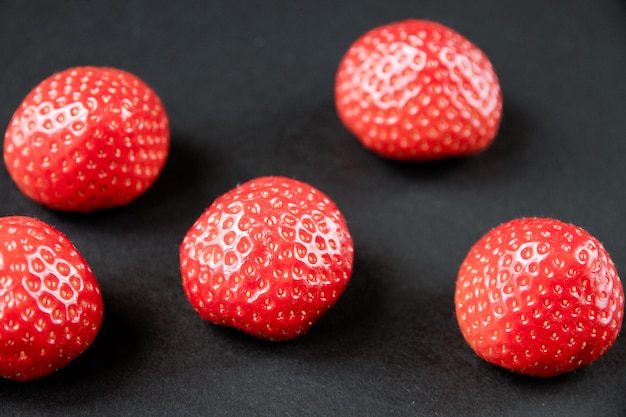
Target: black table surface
{"type": "Point", "coordinates": [248, 87]}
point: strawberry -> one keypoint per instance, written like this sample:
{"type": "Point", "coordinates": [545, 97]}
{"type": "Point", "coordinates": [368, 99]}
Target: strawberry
{"type": "Point", "coordinates": [417, 90]}
{"type": "Point", "coordinates": [50, 301]}
{"type": "Point", "coordinates": [269, 257]}
{"type": "Point", "coordinates": [87, 138]}
{"type": "Point", "coordinates": [539, 296]}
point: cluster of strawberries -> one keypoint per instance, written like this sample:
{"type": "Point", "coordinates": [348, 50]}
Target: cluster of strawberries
{"type": "Point", "coordinates": [534, 295]}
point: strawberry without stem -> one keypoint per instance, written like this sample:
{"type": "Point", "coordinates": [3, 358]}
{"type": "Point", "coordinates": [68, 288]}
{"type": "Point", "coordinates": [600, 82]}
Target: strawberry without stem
{"type": "Point", "coordinates": [50, 302]}
{"type": "Point", "coordinates": [87, 138]}
{"type": "Point", "coordinates": [417, 90]}
{"type": "Point", "coordinates": [539, 296]}
{"type": "Point", "coordinates": [268, 257]}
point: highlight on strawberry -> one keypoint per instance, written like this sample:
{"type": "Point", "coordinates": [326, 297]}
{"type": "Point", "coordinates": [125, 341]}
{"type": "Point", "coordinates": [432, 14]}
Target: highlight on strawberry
{"type": "Point", "coordinates": [50, 302]}
{"type": "Point", "coordinates": [418, 90]}
{"type": "Point", "coordinates": [87, 138]}
{"type": "Point", "coordinates": [539, 296]}
{"type": "Point", "coordinates": [269, 257]}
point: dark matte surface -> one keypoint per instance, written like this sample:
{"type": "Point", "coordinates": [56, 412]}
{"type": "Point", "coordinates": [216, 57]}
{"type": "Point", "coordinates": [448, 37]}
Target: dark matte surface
{"type": "Point", "coordinates": [249, 90]}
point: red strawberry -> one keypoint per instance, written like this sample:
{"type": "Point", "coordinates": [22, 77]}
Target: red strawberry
{"type": "Point", "coordinates": [50, 301]}
{"type": "Point", "coordinates": [268, 257]}
{"type": "Point", "coordinates": [87, 138]}
{"type": "Point", "coordinates": [417, 90]}
{"type": "Point", "coordinates": [539, 296]}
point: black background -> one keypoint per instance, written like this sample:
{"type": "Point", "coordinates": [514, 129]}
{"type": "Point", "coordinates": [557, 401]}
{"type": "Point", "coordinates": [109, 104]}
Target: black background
{"type": "Point", "coordinates": [248, 86]}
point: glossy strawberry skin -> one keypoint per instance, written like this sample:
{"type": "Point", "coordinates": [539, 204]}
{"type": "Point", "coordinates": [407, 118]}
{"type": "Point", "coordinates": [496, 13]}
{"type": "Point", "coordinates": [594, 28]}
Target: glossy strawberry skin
{"type": "Point", "coordinates": [539, 296]}
{"type": "Point", "coordinates": [50, 302]}
{"type": "Point", "coordinates": [269, 257]}
{"type": "Point", "coordinates": [417, 90]}
{"type": "Point", "coordinates": [87, 138]}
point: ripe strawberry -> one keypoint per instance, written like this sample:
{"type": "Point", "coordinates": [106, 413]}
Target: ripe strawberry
{"type": "Point", "coordinates": [539, 296]}
{"type": "Point", "coordinates": [87, 138]}
{"type": "Point", "coordinates": [417, 90]}
{"type": "Point", "coordinates": [50, 301]}
{"type": "Point", "coordinates": [268, 257]}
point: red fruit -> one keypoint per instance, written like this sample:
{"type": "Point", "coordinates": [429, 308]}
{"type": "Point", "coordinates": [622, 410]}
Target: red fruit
{"type": "Point", "coordinates": [417, 90]}
{"type": "Point", "coordinates": [87, 138]}
{"type": "Point", "coordinates": [50, 301]}
{"type": "Point", "coordinates": [268, 257]}
{"type": "Point", "coordinates": [539, 296]}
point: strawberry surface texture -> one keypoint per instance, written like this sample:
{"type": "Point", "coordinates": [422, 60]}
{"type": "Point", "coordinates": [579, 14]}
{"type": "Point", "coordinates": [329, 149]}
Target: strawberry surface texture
{"type": "Point", "coordinates": [539, 296]}
{"type": "Point", "coordinates": [418, 90]}
{"type": "Point", "coordinates": [87, 138]}
{"type": "Point", "coordinates": [269, 257]}
{"type": "Point", "coordinates": [50, 302]}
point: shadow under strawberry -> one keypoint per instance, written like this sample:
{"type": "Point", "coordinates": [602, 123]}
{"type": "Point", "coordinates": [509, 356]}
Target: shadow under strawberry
{"type": "Point", "coordinates": [336, 332]}
{"type": "Point", "coordinates": [94, 374]}
{"type": "Point", "coordinates": [162, 204]}
{"type": "Point", "coordinates": [511, 151]}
